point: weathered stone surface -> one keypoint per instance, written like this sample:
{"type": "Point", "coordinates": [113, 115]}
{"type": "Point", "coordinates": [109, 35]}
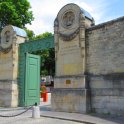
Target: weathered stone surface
{"type": "Point", "coordinates": [9, 93]}
{"type": "Point", "coordinates": [69, 61]}
{"type": "Point", "coordinates": [70, 92]}
{"type": "Point", "coordinates": [69, 100]}
{"type": "Point", "coordinates": [69, 82]}
{"type": "Point", "coordinates": [9, 67]}
{"type": "Point", "coordinates": [6, 66]}
{"type": "Point", "coordinates": [106, 48]}
{"type": "Point", "coordinates": [99, 52]}
{"type": "Point", "coordinates": [108, 104]}
{"type": "Point", "coordinates": [105, 66]}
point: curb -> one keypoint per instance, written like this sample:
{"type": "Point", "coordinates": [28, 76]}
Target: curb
{"type": "Point", "coordinates": [74, 120]}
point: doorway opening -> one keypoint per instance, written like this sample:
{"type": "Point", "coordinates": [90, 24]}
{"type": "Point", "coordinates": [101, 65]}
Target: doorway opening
{"type": "Point", "coordinates": [29, 69]}
{"type": "Point", "coordinates": [47, 73]}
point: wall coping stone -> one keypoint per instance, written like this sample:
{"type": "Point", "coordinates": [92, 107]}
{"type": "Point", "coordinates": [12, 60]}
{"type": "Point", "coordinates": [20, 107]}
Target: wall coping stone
{"type": "Point", "coordinates": [105, 24]}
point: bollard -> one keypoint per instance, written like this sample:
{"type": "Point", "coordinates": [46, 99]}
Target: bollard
{"type": "Point", "coordinates": [35, 111]}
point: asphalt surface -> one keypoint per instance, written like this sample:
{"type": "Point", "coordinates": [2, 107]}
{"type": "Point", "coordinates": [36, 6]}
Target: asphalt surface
{"type": "Point", "coordinates": [26, 118]}
{"type": "Point", "coordinates": [51, 117]}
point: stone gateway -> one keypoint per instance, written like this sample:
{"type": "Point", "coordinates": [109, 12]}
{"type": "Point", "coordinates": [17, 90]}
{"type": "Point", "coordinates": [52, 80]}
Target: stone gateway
{"type": "Point", "coordinates": [89, 63]}
{"type": "Point", "coordinates": [11, 37]}
{"type": "Point", "coordinates": [71, 92]}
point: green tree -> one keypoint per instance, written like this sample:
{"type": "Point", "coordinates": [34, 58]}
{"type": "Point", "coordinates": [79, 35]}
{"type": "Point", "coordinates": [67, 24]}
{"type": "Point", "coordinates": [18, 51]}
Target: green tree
{"type": "Point", "coordinates": [47, 57]}
{"type": "Point", "coordinates": [15, 12]}
{"type": "Point", "coordinates": [30, 34]}
{"type": "Point", "coordinates": [44, 35]}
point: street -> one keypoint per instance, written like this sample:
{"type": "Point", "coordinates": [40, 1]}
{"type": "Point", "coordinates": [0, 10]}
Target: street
{"type": "Point", "coordinates": [26, 118]}
{"type": "Point", "coordinates": [52, 117]}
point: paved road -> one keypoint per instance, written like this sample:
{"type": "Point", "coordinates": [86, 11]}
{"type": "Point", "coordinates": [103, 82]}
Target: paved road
{"type": "Point", "coordinates": [27, 119]}
{"type": "Point", "coordinates": [51, 117]}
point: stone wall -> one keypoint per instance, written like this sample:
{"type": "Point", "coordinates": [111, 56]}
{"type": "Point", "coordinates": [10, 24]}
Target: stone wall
{"type": "Point", "coordinates": [105, 66]}
{"type": "Point", "coordinates": [70, 92]}
{"type": "Point", "coordinates": [69, 100]}
{"type": "Point", "coordinates": [8, 93]}
{"type": "Point", "coordinates": [6, 66]}
{"type": "Point", "coordinates": [9, 67]}
{"type": "Point", "coordinates": [8, 77]}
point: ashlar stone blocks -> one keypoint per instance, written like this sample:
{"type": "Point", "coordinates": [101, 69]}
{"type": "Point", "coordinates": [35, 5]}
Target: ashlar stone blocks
{"type": "Point", "coordinates": [11, 37]}
{"type": "Point", "coordinates": [70, 93]}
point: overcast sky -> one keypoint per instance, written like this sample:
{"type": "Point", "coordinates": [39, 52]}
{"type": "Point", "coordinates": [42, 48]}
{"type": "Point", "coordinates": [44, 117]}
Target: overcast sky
{"type": "Point", "coordinates": [45, 11]}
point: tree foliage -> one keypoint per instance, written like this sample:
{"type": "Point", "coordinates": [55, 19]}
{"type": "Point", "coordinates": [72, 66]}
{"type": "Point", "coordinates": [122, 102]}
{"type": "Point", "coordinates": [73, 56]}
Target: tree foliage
{"type": "Point", "coordinates": [47, 57]}
{"type": "Point", "coordinates": [44, 35]}
{"type": "Point", "coordinates": [48, 62]}
{"type": "Point", "coordinates": [30, 34]}
{"type": "Point", "coordinates": [15, 12]}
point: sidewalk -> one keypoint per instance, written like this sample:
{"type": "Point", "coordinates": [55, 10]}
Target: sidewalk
{"type": "Point", "coordinates": [47, 115]}
{"type": "Point", "coordinates": [82, 118]}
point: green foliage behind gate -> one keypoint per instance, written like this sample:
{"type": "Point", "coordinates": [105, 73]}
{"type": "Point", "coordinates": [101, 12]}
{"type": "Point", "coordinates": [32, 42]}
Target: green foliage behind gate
{"type": "Point", "coordinates": [29, 47]}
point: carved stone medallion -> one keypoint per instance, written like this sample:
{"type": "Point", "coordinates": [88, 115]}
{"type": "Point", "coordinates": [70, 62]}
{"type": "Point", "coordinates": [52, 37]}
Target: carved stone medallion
{"type": "Point", "coordinates": [7, 37]}
{"type": "Point", "coordinates": [68, 19]}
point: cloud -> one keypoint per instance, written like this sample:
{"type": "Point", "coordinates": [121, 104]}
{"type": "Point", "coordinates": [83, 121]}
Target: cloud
{"type": "Point", "coordinates": [45, 12]}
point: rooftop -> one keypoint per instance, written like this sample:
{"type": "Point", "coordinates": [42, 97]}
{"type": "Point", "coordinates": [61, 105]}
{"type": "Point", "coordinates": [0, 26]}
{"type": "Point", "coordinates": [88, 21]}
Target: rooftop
{"type": "Point", "coordinates": [87, 14]}
{"type": "Point", "coordinates": [19, 31]}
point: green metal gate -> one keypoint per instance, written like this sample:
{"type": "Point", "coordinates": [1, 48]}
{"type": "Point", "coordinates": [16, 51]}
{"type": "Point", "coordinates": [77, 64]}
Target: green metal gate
{"type": "Point", "coordinates": [32, 80]}
{"type": "Point", "coordinates": [27, 96]}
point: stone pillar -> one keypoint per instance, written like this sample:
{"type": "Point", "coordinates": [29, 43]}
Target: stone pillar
{"type": "Point", "coordinates": [11, 37]}
{"type": "Point", "coordinates": [70, 92]}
